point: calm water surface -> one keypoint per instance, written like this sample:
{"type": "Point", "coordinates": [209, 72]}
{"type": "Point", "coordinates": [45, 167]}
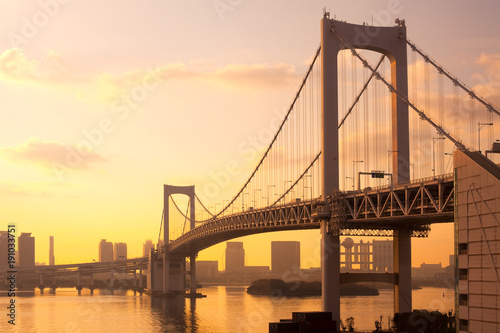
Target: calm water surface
{"type": "Point", "coordinates": [226, 309]}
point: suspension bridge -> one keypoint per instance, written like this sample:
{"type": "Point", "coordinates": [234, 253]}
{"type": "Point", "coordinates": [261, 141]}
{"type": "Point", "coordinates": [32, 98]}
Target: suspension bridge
{"type": "Point", "coordinates": [368, 147]}
{"type": "Point", "coordinates": [376, 142]}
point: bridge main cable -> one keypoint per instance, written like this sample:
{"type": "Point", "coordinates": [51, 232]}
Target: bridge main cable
{"type": "Point", "coordinates": [275, 136]}
{"type": "Point", "coordinates": [455, 80]}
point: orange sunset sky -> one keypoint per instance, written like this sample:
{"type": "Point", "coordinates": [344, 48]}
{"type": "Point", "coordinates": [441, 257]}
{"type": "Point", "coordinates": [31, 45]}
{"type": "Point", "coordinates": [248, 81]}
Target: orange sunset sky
{"type": "Point", "coordinates": [161, 92]}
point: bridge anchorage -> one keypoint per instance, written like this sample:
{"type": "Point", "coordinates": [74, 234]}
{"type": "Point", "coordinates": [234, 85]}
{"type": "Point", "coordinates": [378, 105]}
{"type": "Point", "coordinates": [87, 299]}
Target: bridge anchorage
{"type": "Point", "coordinates": [297, 183]}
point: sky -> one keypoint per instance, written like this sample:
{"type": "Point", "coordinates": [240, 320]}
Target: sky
{"type": "Point", "coordinates": [103, 102]}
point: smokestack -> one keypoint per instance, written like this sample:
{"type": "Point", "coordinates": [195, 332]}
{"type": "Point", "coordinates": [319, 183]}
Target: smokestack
{"type": "Point", "coordinates": [52, 259]}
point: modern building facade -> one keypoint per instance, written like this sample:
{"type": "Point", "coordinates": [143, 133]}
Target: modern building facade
{"type": "Point", "coordinates": [4, 248]}
{"type": "Point", "coordinates": [207, 271]}
{"type": "Point", "coordinates": [235, 256]}
{"type": "Point", "coordinates": [120, 251]}
{"type": "Point", "coordinates": [285, 256]}
{"type": "Point", "coordinates": [382, 255]}
{"type": "Point", "coordinates": [26, 249]}
{"type": "Point", "coordinates": [477, 240]}
{"type": "Point", "coordinates": [105, 251]}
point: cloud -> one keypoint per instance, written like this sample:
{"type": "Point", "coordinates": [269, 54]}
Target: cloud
{"type": "Point", "coordinates": [48, 154]}
{"type": "Point", "coordinates": [256, 76]}
{"type": "Point", "coordinates": [14, 65]}
{"type": "Point", "coordinates": [489, 79]}
{"type": "Point", "coordinates": [110, 87]}
{"type": "Point", "coordinates": [39, 189]}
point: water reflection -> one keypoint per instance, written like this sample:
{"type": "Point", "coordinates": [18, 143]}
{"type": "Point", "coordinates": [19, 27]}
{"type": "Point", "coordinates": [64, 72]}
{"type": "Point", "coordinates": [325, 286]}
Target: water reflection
{"type": "Point", "coordinates": [171, 314]}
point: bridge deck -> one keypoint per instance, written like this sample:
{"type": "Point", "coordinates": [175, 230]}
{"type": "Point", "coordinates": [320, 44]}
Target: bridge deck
{"type": "Point", "coordinates": [412, 205]}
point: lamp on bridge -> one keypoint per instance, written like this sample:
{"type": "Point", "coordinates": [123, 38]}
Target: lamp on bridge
{"type": "Point", "coordinates": [481, 125]}
{"type": "Point", "coordinates": [353, 171]}
{"type": "Point", "coordinates": [268, 187]}
{"type": "Point", "coordinates": [347, 177]}
{"type": "Point", "coordinates": [434, 140]}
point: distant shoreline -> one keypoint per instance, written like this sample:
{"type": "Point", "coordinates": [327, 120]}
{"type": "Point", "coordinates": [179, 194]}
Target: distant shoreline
{"type": "Point", "coordinates": [276, 287]}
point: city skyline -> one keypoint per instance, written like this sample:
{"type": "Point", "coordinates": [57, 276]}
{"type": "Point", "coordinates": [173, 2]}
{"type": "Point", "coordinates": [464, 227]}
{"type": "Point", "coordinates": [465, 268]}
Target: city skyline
{"type": "Point", "coordinates": [116, 191]}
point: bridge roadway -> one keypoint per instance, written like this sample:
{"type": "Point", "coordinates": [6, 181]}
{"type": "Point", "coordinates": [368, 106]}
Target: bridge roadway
{"type": "Point", "coordinates": [128, 265]}
{"type": "Point", "coordinates": [375, 212]}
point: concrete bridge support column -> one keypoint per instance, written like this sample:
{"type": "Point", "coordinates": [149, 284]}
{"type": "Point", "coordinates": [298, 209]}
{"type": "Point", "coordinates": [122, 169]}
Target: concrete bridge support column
{"type": "Point", "coordinates": [79, 286]}
{"type": "Point", "coordinates": [402, 266]}
{"type": "Point", "coordinates": [54, 286]}
{"type": "Point", "coordinates": [141, 284]}
{"type": "Point", "coordinates": [41, 286]}
{"type": "Point", "coordinates": [112, 281]}
{"type": "Point", "coordinates": [166, 273]}
{"type": "Point", "coordinates": [192, 263]}
{"type": "Point", "coordinates": [330, 259]}
{"type": "Point", "coordinates": [91, 284]}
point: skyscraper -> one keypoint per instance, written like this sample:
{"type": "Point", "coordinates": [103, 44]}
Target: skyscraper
{"type": "Point", "coordinates": [26, 249]}
{"type": "Point", "coordinates": [4, 248]}
{"type": "Point", "coordinates": [120, 251]}
{"type": "Point", "coordinates": [235, 256]}
{"type": "Point", "coordinates": [105, 251]}
{"type": "Point", "coordinates": [146, 248]}
{"type": "Point", "coordinates": [52, 259]}
{"type": "Point", "coordinates": [285, 256]}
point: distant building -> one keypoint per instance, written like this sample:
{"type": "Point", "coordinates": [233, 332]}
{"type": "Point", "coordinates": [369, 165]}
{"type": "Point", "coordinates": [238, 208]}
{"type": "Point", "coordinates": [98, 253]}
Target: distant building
{"type": "Point", "coordinates": [4, 248]}
{"type": "Point", "coordinates": [427, 270]}
{"type": "Point", "coordinates": [235, 256]}
{"type": "Point", "coordinates": [146, 248]}
{"type": "Point", "coordinates": [105, 251]}
{"type": "Point", "coordinates": [52, 258]}
{"type": "Point", "coordinates": [285, 256]}
{"type": "Point", "coordinates": [26, 249]}
{"type": "Point", "coordinates": [207, 271]}
{"type": "Point", "coordinates": [120, 251]}
{"type": "Point", "coordinates": [382, 255]}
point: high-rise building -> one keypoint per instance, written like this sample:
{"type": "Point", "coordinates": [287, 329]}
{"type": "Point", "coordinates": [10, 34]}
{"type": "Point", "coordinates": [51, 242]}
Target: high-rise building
{"type": "Point", "coordinates": [146, 248]}
{"type": "Point", "coordinates": [4, 248]}
{"type": "Point", "coordinates": [285, 256]}
{"type": "Point", "coordinates": [382, 255]}
{"type": "Point", "coordinates": [235, 256]}
{"type": "Point", "coordinates": [120, 251]}
{"type": "Point", "coordinates": [207, 270]}
{"type": "Point", "coordinates": [26, 249]}
{"type": "Point", "coordinates": [52, 259]}
{"type": "Point", "coordinates": [105, 251]}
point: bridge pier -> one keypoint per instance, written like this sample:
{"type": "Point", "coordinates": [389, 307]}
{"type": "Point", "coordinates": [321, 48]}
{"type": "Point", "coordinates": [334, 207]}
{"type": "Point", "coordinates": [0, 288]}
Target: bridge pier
{"type": "Point", "coordinates": [141, 283]}
{"type": "Point", "coordinates": [330, 273]}
{"type": "Point", "coordinates": [402, 267]}
{"type": "Point", "coordinates": [79, 286]}
{"type": "Point", "coordinates": [41, 286]}
{"type": "Point", "coordinates": [112, 281]}
{"type": "Point", "coordinates": [54, 286]}
{"type": "Point", "coordinates": [91, 284]}
{"type": "Point", "coordinates": [192, 264]}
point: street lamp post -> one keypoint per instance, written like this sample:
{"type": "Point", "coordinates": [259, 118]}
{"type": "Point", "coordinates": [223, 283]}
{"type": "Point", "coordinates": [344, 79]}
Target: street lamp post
{"type": "Point", "coordinates": [353, 172]}
{"type": "Point", "coordinates": [243, 201]}
{"type": "Point", "coordinates": [481, 125]}
{"type": "Point", "coordinates": [254, 196]}
{"type": "Point", "coordinates": [268, 187]}
{"type": "Point", "coordinates": [434, 140]}
{"type": "Point", "coordinates": [347, 177]}
{"type": "Point", "coordinates": [223, 207]}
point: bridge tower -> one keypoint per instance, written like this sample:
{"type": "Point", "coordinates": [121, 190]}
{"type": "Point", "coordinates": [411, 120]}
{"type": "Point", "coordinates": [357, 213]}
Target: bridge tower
{"type": "Point", "coordinates": [174, 266]}
{"type": "Point", "coordinates": [390, 41]}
